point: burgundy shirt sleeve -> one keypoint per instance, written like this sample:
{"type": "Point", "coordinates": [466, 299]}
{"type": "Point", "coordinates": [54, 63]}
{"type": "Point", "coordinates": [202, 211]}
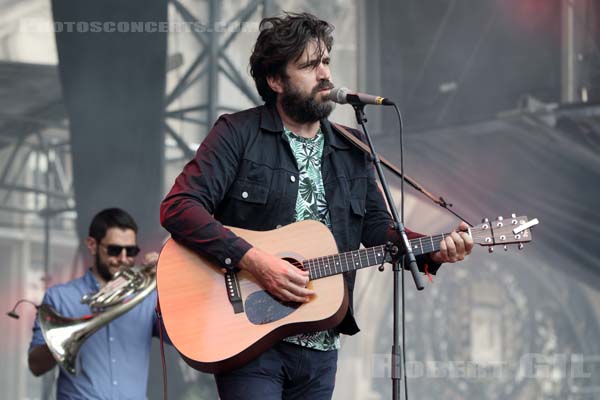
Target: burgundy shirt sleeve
{"type": "Point", "coordinates": [187, 211]}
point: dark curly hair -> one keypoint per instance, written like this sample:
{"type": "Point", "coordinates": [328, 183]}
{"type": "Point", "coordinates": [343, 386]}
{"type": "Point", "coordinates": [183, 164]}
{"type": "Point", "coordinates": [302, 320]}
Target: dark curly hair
{"type": "Point", "coordinates": [110, 218]}
{"type": "Point", "coordinates": [283, 39]}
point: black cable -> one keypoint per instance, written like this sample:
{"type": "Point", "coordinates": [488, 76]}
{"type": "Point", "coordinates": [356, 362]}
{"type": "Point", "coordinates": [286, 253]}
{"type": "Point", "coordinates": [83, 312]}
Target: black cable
{"type": "Point", "coordinates": [12, 313]}
{"type": "Point", "coordinates": [404, 339]}
{"type": "Point", "coordinates": [162, 350]}
{"type": "Point", "coordinates": [403, 350]}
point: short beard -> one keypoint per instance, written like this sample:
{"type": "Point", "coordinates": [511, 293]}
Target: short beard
{"type": "Point", "coordinates": [103, 269]}
{"type": "Point", "coordinates": [304, 109]}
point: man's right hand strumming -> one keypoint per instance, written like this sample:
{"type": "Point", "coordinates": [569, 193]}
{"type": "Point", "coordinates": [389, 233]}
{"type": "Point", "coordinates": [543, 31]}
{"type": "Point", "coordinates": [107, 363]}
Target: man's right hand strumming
{"type": "Point", "coordinates": [277, 276]}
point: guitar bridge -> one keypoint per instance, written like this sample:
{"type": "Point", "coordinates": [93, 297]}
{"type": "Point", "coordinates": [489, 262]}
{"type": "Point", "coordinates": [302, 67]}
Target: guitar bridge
{"type": "Point", "coordinates": [233, 292]}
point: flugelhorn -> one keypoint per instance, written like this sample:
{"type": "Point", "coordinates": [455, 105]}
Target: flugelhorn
{"type": "Point", "coordinates": [64, 336]}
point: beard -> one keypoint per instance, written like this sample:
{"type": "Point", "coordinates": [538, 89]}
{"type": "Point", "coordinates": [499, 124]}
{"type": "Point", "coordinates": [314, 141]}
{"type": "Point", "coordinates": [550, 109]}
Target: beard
{"type": "Point", "coordinates": [103, 269]}
{"type": "Point", "coordinates": [304, 109]}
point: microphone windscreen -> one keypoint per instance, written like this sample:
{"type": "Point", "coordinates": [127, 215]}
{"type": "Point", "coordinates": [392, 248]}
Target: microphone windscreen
{"type": "Point", "coordinates": [338, 95]}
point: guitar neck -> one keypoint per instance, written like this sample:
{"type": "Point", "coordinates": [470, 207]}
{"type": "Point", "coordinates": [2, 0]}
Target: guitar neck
{"type": "Point", "coordinates": [488, 233]}
{"type": "Point", "coordinates": [322, 267]}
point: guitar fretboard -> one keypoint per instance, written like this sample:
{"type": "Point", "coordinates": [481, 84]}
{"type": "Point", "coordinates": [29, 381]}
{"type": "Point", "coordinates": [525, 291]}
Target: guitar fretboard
{"type": "Point", "coordinates": [322, 267]}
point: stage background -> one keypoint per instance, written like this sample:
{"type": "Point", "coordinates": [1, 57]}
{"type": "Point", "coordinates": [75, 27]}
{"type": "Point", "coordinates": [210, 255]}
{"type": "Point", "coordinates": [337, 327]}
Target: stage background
{"type": "Point", "coordinates": [487, 125]}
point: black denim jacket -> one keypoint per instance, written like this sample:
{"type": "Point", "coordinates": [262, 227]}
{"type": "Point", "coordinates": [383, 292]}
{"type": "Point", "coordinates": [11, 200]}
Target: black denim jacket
{"type": "Point", "coordinates": [245, 175]}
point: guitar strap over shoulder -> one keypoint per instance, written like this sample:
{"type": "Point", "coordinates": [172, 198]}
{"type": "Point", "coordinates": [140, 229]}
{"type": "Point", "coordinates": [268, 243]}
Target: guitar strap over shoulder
{"type": "Point", "coordinates": [363, 147]}
{"type": "Point", "coordinates": [439, 200]}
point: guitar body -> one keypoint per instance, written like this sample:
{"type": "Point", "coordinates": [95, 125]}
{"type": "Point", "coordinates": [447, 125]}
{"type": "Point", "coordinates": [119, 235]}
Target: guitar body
{"type": "Point", "coordinates": [217, 327]}
{"type": "Point", "coordinates": [200, 319]}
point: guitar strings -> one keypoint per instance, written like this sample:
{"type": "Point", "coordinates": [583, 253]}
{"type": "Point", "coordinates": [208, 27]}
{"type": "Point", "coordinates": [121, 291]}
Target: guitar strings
{"type": "Point", "coordinates": [427, 244]}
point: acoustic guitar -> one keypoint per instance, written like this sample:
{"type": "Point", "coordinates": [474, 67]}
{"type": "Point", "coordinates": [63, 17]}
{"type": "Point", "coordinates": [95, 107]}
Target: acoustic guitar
{"type": "Point", "coordinates": [218, 321]}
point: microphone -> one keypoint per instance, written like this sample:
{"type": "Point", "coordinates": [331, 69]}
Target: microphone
{"type": "Point", "coordinates": [13, 313]}
{"type": "Point", "coordinates": [344, 95]}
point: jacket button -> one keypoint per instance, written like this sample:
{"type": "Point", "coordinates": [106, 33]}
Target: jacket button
{"type": "Point", "coordinates": [228, 261]}
{"type": "Point", "coordinates": [245, 195]}
{"type": "Point", "coordinates": [293, 178]}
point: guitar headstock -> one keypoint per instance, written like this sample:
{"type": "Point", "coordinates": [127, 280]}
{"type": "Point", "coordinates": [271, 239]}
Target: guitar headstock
{"type": "Point", "coordinates": [503, 231]}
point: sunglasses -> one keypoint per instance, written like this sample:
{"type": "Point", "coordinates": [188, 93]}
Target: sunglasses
{"type": "Point", "coordinates": [114, 250]}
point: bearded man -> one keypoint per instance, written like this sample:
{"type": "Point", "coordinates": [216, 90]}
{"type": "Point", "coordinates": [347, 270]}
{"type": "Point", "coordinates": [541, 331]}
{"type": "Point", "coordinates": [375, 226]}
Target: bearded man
{"type": "Point", "coordinates": [272, 165]}
{"type": "Point", "coordinates": [114, 361]}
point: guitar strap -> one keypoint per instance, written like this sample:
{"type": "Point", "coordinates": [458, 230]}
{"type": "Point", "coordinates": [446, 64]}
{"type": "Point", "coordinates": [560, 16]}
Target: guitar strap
{"type": "Point", "coordinates": [439, 200]}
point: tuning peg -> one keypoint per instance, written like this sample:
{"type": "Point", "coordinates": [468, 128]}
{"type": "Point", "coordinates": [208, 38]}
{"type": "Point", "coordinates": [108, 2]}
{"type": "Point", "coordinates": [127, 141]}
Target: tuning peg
{"type": "Point", "coordinates": [505, 248]}
{"type": "Point", "coordinates": [513, 215]}
{"type": "Point", "coordinates": [485, 223]}
{"type": "Point", "coordinates": [500, 218]}
{"type": "Point", "coordinates": [520, 247]}
{"type": "Point", "coordinates": [491, 249]}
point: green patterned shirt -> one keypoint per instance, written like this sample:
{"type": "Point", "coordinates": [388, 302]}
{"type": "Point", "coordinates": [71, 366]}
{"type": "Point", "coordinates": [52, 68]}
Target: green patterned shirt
{"type": "Point", "coordinates": [311, 204]}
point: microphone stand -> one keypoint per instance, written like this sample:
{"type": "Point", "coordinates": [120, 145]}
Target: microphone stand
{"type": "Point", "coordinates": [407, 255]}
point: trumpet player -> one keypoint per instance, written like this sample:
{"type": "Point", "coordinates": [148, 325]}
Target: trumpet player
{"type": "Point", "coordinates": [114, 360]}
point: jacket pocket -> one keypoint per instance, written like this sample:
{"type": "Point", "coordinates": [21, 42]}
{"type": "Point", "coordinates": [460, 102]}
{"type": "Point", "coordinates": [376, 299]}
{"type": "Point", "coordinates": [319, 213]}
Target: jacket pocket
{"type": "Point", "coordinates": [355, 222]}
{"type": "Point", "coordinates": [357, 206]}
{"type": "Point", "coordinates": [250, 192]}
{"type": "Point", "coordinates": [246, 205]}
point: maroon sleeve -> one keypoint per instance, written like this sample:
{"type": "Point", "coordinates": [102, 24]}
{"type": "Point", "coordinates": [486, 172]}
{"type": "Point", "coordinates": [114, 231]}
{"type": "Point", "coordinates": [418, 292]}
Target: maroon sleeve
{"type": "Point", "coordinates": [187, 211]}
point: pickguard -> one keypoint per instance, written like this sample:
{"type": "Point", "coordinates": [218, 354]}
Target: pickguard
{"type": "Point", "coordinates": [262, 308]}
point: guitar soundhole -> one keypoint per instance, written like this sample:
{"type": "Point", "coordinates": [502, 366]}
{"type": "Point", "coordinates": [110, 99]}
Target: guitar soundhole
{"type": "Point", "coordinates": [262, 308]}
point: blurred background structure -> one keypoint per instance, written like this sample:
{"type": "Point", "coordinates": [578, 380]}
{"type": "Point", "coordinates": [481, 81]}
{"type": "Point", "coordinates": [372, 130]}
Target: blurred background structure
{"type": "Point", "coordinates": [501, 107]}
